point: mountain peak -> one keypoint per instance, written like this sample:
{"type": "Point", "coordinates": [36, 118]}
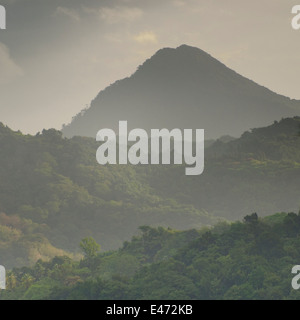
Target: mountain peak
{"type": "Point", "coordinates": [185, 62]}
{"type": "Point", "coordinates": [183, 54]}
{"type": "Point", "coordinates": [182, 49]}
{"type": "Point", "coordinates": [184, 87]}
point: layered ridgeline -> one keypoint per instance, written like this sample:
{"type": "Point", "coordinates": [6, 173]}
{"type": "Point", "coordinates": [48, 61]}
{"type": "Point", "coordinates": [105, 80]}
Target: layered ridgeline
{"type": "Point", "coordinates": [252, 259]}
{"type": "Point", "coordinates": [53, 192]}
{"type": "Point", "coordinates": [183, 88]}
{"type": "Point", "coordinates": [259, 172]}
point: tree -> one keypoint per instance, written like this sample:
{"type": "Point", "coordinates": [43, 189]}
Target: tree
{"type": "Point", "coordinates": [89, 247]}
{"type": "Point", "coordinates": [251, 219]}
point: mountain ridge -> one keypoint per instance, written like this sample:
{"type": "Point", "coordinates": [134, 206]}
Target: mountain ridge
{"type": "Point", "coordinates": [183, 88]}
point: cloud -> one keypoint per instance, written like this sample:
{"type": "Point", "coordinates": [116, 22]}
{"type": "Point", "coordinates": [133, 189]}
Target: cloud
{"type": "Point", "coordinates": [9, 69]}
{"type": "Point", "coordinates": [70, 13]}
{"type": "Point", "coordinates": [120, 14]}
{"type": "Point", "coordinates": [147, 37]}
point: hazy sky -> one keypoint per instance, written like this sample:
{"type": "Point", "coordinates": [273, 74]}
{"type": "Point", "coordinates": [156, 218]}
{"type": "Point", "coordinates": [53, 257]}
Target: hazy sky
{"type": "Point", "coordinates": [56, 55]}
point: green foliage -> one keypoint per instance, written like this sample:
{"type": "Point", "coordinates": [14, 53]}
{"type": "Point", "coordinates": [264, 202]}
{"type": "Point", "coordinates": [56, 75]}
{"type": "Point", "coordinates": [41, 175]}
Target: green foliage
{"type": "Point", "coordinates": [89, 247]}
{"type": "Point", "coordinates": [240, 261]}
{"type": "Point", "coordinates": [241, 176]}
{"type": "Point", "coordinates": [54, 194]}
{"type": "Point", "coordinates": [60, 194]}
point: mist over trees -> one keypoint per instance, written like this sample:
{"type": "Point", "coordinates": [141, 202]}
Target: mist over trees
{"type": "Point", "coordinates": [54, 193]}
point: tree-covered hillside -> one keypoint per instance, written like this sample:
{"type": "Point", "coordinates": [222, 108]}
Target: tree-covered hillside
{"type": "Point", "coordinates": [259, 172]}
{"type": "Point", "coordinates": [252, 259]}
{"type": "Point", "coordinates": [53, 193]}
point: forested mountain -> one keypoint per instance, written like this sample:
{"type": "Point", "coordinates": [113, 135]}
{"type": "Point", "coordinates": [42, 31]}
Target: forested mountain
{"type": "Point", "coordinates": [183, 88]}
{"type": "Point", "coordinates": [252, 259]}
{"type": "Point", "coordinates": [259, 172]}
{"type": "Point", "coordinates": [53, 192]}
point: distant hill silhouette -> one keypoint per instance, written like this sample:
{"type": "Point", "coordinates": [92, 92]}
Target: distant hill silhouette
{"type": "Point", "coordinates": [184, 88]}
